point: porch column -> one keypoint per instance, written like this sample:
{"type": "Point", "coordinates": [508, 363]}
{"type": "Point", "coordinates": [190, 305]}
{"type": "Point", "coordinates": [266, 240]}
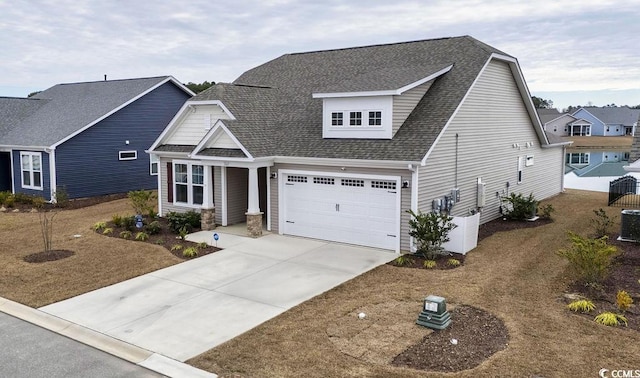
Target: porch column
{"type": "Point", "coordinates": [254, 216]}
{"type": "Point", "coordinates": [207, 220]}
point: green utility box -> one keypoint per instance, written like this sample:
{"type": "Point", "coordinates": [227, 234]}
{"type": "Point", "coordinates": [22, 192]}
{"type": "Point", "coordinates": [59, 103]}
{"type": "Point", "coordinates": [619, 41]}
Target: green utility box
{"type": "Point", "coordinates": [434, 313]}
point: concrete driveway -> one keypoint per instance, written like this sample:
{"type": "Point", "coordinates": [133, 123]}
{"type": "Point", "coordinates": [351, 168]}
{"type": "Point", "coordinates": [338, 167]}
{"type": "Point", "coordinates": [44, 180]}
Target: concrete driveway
{"type": "Point", "coordinates": [186, 309]}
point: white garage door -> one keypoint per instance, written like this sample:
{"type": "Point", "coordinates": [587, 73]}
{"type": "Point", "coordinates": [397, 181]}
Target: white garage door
{"type": "Point", "coordinates": [355, 210]}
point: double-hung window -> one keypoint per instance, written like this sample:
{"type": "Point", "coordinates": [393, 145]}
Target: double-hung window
{"type": "Point", "coordinates": [188, 180]}
{"type": "Point", "coordinates": [154, 162]}
{"type": "Point", "coordinates": [31, 166]}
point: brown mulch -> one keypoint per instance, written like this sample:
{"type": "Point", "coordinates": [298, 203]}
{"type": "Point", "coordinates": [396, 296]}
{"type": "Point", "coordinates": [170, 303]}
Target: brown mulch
{"type": "Point", "coordinates": [624, 275]}
{"type": "Point", "coordinates": [478, 333]}
{"type": "Point", "coordinates": [44, 256]}
{"type": "Point", "coordinates": [69, 205]}
{"type": "Point", "coordinates": [442, 262]}
{"type": "Point", "coordinates": [502, 224]}
{"type": "Point", "coordinates": [165, 238]}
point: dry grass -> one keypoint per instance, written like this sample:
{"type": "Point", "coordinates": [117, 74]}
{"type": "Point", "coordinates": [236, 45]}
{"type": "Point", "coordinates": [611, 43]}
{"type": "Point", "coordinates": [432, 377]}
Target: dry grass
{"type": "Point", "coordinates": [596, 142]}
{"type": "Point", "coordinates": [98, 261]}
{"type": "Point", "coordinates": [515, 275]}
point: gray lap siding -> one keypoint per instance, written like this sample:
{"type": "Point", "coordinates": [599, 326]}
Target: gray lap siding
{"type": "Point", "coordinates": [88, 164]}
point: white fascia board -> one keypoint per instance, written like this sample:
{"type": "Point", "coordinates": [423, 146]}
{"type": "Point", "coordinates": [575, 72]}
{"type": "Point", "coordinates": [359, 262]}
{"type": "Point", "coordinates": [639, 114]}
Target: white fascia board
{"type": "Point", "coordinates": [359, 163]}
{"type": "Point", "coordinates": [220, 125]}
{"type": "Point", "coordinates": [134, 99]}
{"type": "Point", "coordinates": [26, 148]}
{"type": "Point", "coordinates": [553, 145]}
{"type": "Point", "coordinates": [182, 86]}
{"type": "Point", "coordinates": [213, 102]}
{"type": "Point", "coordinates": [181, 155]}
{"type": "Point", "coordinates": [389, 92]}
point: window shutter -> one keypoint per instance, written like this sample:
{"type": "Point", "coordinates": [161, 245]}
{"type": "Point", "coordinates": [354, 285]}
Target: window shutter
{"type": "Point", "coordinates": [169, 182]}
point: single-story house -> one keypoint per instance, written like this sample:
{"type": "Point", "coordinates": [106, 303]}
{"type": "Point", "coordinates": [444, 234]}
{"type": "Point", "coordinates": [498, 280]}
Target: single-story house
{"type": "Point", "coordinates": [610, 120]}
{"type": "Point", "coordinates": [563, 124]}
{"type": "Point", "coordinates": [87, 138]}
{"type": "Point", "coordinates": [339, 144]}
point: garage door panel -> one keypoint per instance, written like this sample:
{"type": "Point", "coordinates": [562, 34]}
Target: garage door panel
{"type": "Point", "coordinates": [350, 210]}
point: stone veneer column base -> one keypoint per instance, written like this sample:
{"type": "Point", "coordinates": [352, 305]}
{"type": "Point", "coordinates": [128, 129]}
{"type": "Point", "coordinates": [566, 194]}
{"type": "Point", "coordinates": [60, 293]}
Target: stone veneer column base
{"type": "Point", "coordinates": [254, 224]}
{"type": "Point", "coordinates": [207, 219]}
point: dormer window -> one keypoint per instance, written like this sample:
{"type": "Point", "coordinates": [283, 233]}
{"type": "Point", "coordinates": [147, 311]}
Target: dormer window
{"type": "Point", "coordinates": [336, 119]}
{"type": "Point", "coordinates": [355, 118]}
{"type": "Point", "coordinates": [375, 118]}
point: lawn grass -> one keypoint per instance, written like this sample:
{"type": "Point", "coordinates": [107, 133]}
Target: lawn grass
{"type": "Point", "coordinates": [600, 142]}
{"type": "Point", "coordinates": [515, 275]}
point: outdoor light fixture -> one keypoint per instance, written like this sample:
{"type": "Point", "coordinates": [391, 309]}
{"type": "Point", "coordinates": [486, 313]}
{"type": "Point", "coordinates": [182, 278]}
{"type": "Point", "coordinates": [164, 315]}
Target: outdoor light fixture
{"type": "Point", "coordinates": [434, 313]}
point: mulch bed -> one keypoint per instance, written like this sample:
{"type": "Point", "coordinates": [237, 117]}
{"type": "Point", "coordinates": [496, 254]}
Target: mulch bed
{"type": "Point", "coordinates": [502, 224]}
{"type": "Point", "coordinates": [479, 335]}
{"type": "Point", "coordinates": [53, 255]}
{"type": "Point", "coordinates": [625, 275]}
{"type": "Point", "coordinates": [69, 205]}
{"type": "Point", "coordinates": [442, 262]}
{"type": "Point", "coordinates": [165, 238]}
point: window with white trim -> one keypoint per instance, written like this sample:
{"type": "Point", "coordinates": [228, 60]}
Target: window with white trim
{"type": "Point", "coordinates": [577, 158]}
{"type": "Point", "coordinates": [188, 182]}
{"type": "Point", "coordinates": [31, 167]}
{"type": "Point", "coordinates": [128, 155]}
{"type": "Point", "coordinates": [375, 118]}
{"type": "Point", "coordinates": [154, 162]}
{"type": "Point", "coordinates": [337, 119]}
{"type": "Point", "coordinates": [355, 118]}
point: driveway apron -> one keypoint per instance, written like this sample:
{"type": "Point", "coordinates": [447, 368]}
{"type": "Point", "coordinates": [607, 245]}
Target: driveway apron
{"type": "Point", "coordinates": [189, 308]}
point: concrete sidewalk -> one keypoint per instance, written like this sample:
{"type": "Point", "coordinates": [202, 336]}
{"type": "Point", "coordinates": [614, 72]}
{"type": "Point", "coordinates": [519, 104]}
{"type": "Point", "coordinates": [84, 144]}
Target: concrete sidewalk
{"type": "Point", "coordinates": [186, 309]}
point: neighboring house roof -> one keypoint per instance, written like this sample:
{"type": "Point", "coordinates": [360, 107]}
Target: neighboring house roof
{"type": "Point", "coordinates": [276, 114]}
{"type": "Point", "coordinates": [622, 115]}
{"type": "Point", "coordinates": [547, 115]}
{"type": "Point", "coordinates": [66, 109]}
{"type": "Point", "coordinates": [13, 110]}
{"type": "Point", "coordinates": [606, 169]}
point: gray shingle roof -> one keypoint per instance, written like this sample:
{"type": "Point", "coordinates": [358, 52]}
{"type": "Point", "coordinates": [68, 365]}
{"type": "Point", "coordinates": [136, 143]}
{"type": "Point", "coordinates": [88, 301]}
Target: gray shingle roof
{"type": "Point", "coordinates": [13, 110]}
{"type": "Point", "coordinates": [277, 115]}
{"type": "Point", "coordinates": [547, 115]}
{"type": "Point", "coordinates": [619, 115]}
{"type": "Point", "coordinates": [67, 108]}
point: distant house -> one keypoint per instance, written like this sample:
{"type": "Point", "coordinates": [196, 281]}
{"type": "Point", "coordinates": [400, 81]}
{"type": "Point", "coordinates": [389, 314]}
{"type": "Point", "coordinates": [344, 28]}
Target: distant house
{"type": "Point", "coordinates": [591, 121]}
{"type": "Point", "coordinates": [339, 144]}
{"type": "Point", "coordinates": [563, 124]}
{"type": "Point", "coordinates": [88, 138]}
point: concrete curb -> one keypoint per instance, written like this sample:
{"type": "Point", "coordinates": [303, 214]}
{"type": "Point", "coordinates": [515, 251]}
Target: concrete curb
{"type": "Point", "coordinates": [128, 352]}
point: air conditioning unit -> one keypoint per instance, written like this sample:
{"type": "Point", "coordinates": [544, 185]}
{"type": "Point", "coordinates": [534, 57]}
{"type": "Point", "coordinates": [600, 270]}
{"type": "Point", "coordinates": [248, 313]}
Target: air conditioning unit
{"type": "Point", "coordinates": [630, 225]}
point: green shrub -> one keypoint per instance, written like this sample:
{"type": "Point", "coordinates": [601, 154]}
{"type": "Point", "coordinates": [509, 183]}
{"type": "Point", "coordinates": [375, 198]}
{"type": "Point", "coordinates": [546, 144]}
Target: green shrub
{"type": "Point", "coordinates": [23, 198]}
{"type": "Point", "coordinates": [519, 207]}
{"type": "Point", "coordinates": [61, 196]}
{"type": "Point", "coordinates": [38, 202]}
{"type": "Point", "coordinates": [7, 199]}
{"type": "Point", "coordinates": [99, 226]}
{"type": "Point", "coordinates": [126, 234]}
{"type": "Point", "coordinates": [429, 264]}
{"type": "Point", "coordinates": [453, 262]}
{"type": "Point", "coordinates": [430, 230]}
{"type": "Point", "coordinates": [142, 236]}
{"type": "Point", "coordinates": [190, 252]}
{"type": "Point", "coordinates": [581, 305]}
{"type": "Point", "coordinates": [623, 300]}
{"type": "Point", "coordinates": [602, 223]}
{"type": "Point", "coordinates": [176, 247]}
{"type": "Point", "coordinates": [129, 223]}
{"type": "Point", "coordinates": [177, 221]}
{"type": "Point", "coordinates": [107, 231]}
{"type": "Point", "coordinates": [203, 245]}
{"type": "Point", "coordinates": [610, 319]}
{"type": "Point", "coordinates": [403, 260]}
{"type": "Point", "coordinates": [546, 211]}
{"type": "Point", "coordinates": [153, 228]}
{"type": "Point", "coordinates": [143, 202]}
{"type": "Point", "coordinates": [589, 258]}
{"type": "Point", "coordinates": [117, 220]}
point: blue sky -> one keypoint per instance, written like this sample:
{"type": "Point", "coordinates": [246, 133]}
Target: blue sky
{"type": "Point", "coordinates": [571, 52]}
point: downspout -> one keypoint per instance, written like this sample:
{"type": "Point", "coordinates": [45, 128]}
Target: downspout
{"type": "Point", "coordinates": [414, 200]}
{"type": "Point", "coordinates": [268, 209]}
{"type": "Point", "coordinates": [159, 183]}
{"type": "Point", "coordinates": [53, 179]}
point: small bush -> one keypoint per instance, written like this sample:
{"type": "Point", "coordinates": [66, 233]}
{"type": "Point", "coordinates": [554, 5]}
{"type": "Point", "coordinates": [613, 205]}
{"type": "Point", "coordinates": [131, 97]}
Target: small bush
{"type": "Point", "coordinates": [107, 231]}
{"type": "Point", "coordinates": [143, 202]}
{"type": "Point", "coordinates": [183, 232]}
{"type": "Point", "coordinates": [24, 199]}
{"type": "Point", "coordinates": [7, 199]}
{"type": "Point", "coordinates": [582, 305]}
{"type": "Point", "coordinates": [129, 223]}
{"type": "Point", "coordinates": [546, 211]}
{"type": "Point", "coordinates": [610, 319]}
{"type": "Point", "coordinates": [126, 234]}
{"type": "Point", "coordinates": [38, 202]}
{"type": "Point", "coordinates": [203, 245]}
{"type": "Point", "coordinates": [589, 258]}
{"type": "Point", "coordinates": [519, 207]}
{"type": "Point", "coordinates": [403, 260]}
{"type": "Point", "coordinates": [602, 223]}
{"type": "Point", "coordinates": [190, 252]}
{"type": "Point", "coordinates": [142, 236]}
{"type": "Point", "coordinates": [430, 230]}
{"type": "Point", "coordinates": [623, 300]}
{"type": "Point", "coordinates": [117, 220]}
{"type": "Point", "coordinates": [453, 262]}
{"type": "Point", "coordinates": [153, 228]}
{"type": "Point", "coordinates": [190, 220]}
{"type": "Point", "coordinates": [61, 196]}
{"type": "Point", "coordinates": [99, 226]}
{"type": "Point", "coordinates": [176, 247]}
{"type": "Point", "coordinates": [429, 264]}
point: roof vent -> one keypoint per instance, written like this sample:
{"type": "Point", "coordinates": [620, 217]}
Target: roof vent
{"type": "Point", "coordinates": [105, 77]}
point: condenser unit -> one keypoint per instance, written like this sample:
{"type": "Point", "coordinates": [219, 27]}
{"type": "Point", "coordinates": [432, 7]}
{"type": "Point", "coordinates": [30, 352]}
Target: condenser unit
{"type": "Point", "coordinates": [630, 225]}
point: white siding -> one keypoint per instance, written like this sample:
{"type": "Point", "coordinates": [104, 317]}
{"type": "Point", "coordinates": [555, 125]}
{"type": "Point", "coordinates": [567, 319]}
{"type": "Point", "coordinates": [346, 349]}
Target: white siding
{"type": "Point", "coordinates": [222, 140]}
{"type": "Point", "coordinates": [404, 104]}
{"type": "Point", "coordinates": [405, 194]}
{"type": "Point", "coordinates": [493, 129]}
{"type": "Point", "coordinates": [195, 124]}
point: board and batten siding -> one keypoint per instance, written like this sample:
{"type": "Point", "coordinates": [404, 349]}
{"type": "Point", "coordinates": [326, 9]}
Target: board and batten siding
{"type": "Point", "coordinates": [88, 164]}
{"type": "Point", "coordinates": [493, 129]}
{"type": "Point", "coordinates": [404, 104]}
{"type": "Point", "coordinates": [405, 193]}
{"type": "Point", "coordinates": [195, 124]}
{"type": "Point", "coordinates": [46, 176]}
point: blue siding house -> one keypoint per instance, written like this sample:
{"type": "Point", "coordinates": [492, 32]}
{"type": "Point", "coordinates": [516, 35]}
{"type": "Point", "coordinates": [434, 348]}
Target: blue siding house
{"type": "Point", "coordinates": [88, 138]}
{"type": "Point", "coordinates": [610, 121]}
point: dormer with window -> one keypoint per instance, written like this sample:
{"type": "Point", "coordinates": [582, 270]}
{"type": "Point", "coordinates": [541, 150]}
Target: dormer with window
{"type": "Point", "coordinates": [377, 103]}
